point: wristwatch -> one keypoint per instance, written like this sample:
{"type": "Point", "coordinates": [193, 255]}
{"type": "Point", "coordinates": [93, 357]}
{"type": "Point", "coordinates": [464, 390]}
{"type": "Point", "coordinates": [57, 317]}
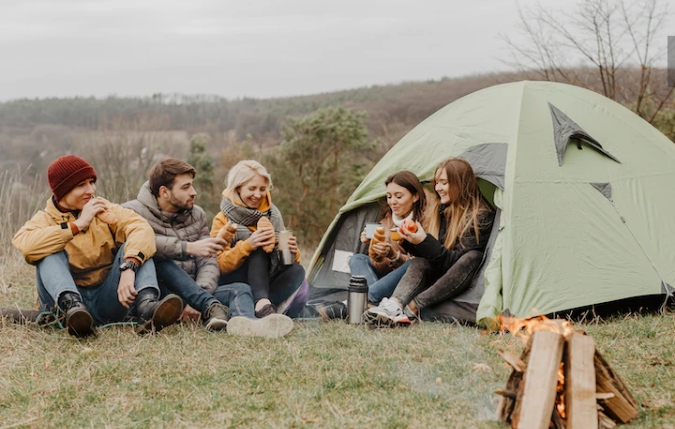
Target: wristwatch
{"type": "Point", "coordinates": [128, 265]}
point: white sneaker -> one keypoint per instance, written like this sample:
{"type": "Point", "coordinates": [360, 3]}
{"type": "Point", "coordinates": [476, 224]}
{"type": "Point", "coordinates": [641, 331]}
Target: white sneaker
{"type": "Point", "coordinates": [387, 314]}
{"type": "Point", "coordinates": [272, 326]}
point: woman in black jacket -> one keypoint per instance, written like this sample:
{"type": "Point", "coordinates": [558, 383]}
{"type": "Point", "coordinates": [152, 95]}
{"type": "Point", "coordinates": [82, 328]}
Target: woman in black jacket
{"type": "Point", "coordinates": [449, 255]}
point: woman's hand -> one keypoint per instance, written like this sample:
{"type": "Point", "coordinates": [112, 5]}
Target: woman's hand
{"type": "Point", "coordinates": [293, 245]}
{"type": "Point", "coordinates": [261, 237]}
{"type": "Point", "coordinates": [413, 237]}
{"type": "Point", "coordinates": [364, 239]}
{"type": "Point", "coordinates": [382, 249]}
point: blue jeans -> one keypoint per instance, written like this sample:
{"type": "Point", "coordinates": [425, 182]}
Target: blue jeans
{"type": "Point", "coordinates": [378, 288]}
{"type": "Point", "coordinates": [173, 278]}
{"type": "Point", "coordinates": [238, 297]}
{"type": "Point", "coordinates": [54, 278]}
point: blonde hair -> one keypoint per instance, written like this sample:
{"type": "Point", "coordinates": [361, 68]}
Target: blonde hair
{"type": "Point", "coordinates": [244, 171]}
{"type": "Point", "coordinates": [466, 202]}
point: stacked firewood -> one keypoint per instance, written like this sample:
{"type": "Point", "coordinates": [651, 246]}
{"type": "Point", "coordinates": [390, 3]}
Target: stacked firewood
{"type": "Point", "coordinates": [562, 381]}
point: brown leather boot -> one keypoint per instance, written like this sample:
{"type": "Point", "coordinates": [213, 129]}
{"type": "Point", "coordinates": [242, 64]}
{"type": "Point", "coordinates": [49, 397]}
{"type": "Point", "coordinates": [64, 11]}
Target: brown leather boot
{"type": "Point", "coordinates": [154, 315]}
{"type": "Point", "coordinates": [78, 320]}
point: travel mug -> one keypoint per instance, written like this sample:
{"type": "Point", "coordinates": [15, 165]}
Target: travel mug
{"type": "Point", "coordinates": [285, 254]}
{"type": "Point", "coordinates": [357, 299]}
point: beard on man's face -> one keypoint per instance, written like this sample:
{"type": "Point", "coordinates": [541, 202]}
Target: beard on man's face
{"type": "Point", "coordinates": [182, 206]}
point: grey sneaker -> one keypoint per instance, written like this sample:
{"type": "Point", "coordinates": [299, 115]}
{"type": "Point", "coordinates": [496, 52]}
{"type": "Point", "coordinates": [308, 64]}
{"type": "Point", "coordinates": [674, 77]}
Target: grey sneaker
{"type": "Point", "coordinates": [272, 326]}
{"type": "Point", "coordinates": [216, 316]}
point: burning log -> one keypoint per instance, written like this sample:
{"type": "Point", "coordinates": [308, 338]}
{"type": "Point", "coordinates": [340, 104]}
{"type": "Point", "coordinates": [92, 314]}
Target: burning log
{"type": "Point", "coordinates": [561, 381]}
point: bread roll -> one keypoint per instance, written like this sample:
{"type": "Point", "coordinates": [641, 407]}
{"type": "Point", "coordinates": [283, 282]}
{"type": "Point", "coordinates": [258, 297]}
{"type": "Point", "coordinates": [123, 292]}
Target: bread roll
{"type": "Point", "coordinates": [378, 237]}
{"type": "Point", "coordinates": [265, 223]}
{"type": "Point", "coordinates": [227, 232]}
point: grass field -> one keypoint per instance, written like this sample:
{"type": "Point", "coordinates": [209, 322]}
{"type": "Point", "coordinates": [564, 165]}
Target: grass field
{"type": "Point", "coordinates": [322, 375]}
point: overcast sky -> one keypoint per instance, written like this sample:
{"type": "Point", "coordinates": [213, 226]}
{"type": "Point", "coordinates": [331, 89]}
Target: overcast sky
{"type": "Point", "coordinates": [256, 48]}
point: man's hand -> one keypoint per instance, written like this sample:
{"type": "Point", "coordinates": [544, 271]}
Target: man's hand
{"type": "Point", "coordinates": [413, 237]}
{"type": "Point", "coordinates": [261, 237]}
{"type": "Point", "coordinates": [206, 247]}
{"type": "Point", "coordinates": [190, 315]}
{"type": "Point", "coordinates": [89, 212]}
{"type": "Point", "coordinates": [126, 293]}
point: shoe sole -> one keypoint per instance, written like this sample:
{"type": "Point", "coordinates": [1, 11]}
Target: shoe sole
{"type": "Point", "coordinates": [216, 324]}
{"type": "Point", "coordinates": [80, 324]}
{"type": "Point", "coordinates": [167, 313]}
{"type": "Point", "coordinates": [272, 326]}
{"type": "Point", "coordinates": [377, 320]}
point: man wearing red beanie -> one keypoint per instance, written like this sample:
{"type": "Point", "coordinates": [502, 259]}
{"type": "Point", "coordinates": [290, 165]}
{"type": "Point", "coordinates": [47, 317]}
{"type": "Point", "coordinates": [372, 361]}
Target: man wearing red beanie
{"type": "Point", "coordinates": [93, 257]}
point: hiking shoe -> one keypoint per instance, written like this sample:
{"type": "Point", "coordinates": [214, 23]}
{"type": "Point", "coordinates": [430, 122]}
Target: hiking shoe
{"type": "Point", "coordinates": [267, 310]}
{"type": "Point", "coordinates": [273, 326]}
{"type": "Point", "coordinates": [78, 320]}
{"type": "Point", "coordinates": [215, 317]}
{"type": "Point", "coordinates": [332, 310]}
{"type": "Point", "coordinates": [154, 315]}
{"type": "Point", "coordinates": [385, 315]}
{"type": "Point", "coordinates": [412, 316]}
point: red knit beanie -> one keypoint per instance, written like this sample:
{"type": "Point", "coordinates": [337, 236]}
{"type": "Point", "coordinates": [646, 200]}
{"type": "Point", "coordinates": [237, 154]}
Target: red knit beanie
{"type": "Point", "coordinates": [66, 172]}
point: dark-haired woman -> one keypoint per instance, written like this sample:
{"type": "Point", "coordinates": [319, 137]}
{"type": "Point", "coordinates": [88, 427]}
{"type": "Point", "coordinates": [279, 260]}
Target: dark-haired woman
{"type": "Point", "coordinates": [448, 256]}
{"type": "Point", "coordinates": [387, 260]}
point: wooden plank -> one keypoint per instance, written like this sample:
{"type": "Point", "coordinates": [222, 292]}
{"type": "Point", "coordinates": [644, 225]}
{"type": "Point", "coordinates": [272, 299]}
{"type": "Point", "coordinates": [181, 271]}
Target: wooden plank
{"type": "Point", "coordinates": [540, 381]}
{"type": "Point", "coordinates": [580, 403]}
{"type": "Point", "coordinates": [623, 406]}
{"type": "Point", "coordinates": [515, 362]}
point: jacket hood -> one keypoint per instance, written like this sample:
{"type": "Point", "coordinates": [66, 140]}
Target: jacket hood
{"type": "Point", "coordinates": [146, 198]}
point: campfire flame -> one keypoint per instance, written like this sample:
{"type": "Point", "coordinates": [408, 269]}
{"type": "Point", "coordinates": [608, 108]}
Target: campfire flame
{"type": "Point", "coordinates": [515, 326]}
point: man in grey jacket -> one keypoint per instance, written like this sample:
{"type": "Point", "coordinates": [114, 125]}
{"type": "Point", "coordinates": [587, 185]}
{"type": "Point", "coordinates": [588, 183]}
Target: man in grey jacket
{"type": "Point", "coordinates": [185, 258]}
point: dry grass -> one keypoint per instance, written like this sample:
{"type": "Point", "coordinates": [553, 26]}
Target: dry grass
{"type": "Point", "coordinates": [323, 375]}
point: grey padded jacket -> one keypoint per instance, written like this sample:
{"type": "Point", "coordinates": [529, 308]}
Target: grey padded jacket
{"type": "Point", "coordinates": [172, 233]}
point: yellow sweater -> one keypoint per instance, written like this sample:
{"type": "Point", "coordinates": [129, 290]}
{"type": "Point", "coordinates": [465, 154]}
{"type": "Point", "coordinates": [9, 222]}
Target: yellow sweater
{"type": "Point", "coordinates": [231, 258]}
{"type": "Point", "coordinates": [91, 253]}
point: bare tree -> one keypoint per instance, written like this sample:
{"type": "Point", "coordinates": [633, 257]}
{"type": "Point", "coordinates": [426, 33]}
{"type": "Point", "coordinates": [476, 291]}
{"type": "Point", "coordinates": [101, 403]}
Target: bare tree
{"type": "Point", "coordinates": [615, 41]}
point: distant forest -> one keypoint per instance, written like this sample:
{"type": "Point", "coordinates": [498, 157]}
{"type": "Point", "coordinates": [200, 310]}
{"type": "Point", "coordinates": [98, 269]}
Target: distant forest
{"type": "Point", "coordinates": [123, 137]}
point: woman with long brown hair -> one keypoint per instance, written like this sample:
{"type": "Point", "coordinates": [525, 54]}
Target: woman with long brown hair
{"type": "Point", "coordinates": [449, 255]}
{"type": "Point", "coordinates": [387, 260]}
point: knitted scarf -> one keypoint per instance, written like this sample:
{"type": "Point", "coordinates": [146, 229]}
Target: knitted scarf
{"type": "Point", "coordinates": [245, 217]}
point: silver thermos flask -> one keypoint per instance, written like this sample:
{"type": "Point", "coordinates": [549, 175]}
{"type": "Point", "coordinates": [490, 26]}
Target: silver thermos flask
{"type": "Point", "coordinates": [357, 299]}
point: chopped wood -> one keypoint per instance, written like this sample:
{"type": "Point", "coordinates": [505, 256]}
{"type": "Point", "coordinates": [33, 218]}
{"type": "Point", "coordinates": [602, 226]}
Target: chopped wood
{"type": "Point", "coordinates": [605, 422]}
{"type": "Point", "coordinates": [535, 406]}
{"type": "Point", "coordinates": [514, 384]}
{"type": "Point", "coordinates": [580, 401]}
{"type": "Point", "coordinates": [506, 393]}
{"type": "Point", "coordinates": [623, 406]}
{"type": "Point", "coordinates": [515, 362]}
{"type": "Point", "coordinates": [602, 396]}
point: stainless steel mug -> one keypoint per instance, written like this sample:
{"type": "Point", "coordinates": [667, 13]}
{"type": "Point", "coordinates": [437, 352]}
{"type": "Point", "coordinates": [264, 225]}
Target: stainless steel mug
{"type": "Point", "coordinates": [285, 254]}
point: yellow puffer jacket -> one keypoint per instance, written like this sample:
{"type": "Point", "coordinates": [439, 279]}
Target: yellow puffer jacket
{"type": "Point", "coordinates": [91, 253]}
{"type": "Point", "coordinates": [232, 258]}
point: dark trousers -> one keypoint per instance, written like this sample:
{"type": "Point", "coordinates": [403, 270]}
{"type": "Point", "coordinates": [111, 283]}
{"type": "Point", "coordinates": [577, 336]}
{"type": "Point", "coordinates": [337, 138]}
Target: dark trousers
{"type": "Point", "coordinates": [427, 287]}
{"type": "Point", "coordinates": [255, 272]}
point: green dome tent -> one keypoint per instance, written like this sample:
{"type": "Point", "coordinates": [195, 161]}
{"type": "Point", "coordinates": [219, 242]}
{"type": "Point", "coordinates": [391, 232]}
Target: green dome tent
{"type": "Point", "coordinates": [584, 190]}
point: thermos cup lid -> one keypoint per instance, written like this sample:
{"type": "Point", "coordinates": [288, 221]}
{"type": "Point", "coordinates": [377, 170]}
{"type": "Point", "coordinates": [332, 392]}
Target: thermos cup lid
{"type": "Point", "coordinates": [358, 284]}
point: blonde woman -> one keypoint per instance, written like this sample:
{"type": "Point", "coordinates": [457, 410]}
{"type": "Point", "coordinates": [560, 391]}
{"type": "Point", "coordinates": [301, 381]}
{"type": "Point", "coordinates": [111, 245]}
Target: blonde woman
{"type": "Point", "coordinates": [249, 258]}
{"type": "Point", "coordinates": [448, 256]}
